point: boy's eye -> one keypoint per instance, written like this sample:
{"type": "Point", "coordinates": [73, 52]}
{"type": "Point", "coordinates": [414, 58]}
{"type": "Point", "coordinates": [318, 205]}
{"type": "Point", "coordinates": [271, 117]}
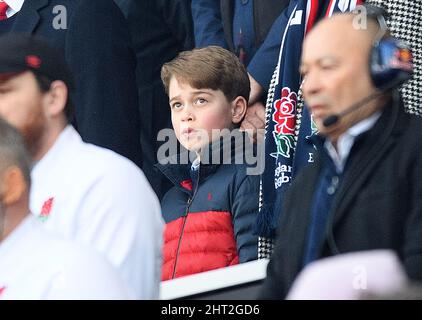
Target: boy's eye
{"type": "Point", "coordinates": [201, 101]}
{"type": "Point", "coordinates": [176, 105]}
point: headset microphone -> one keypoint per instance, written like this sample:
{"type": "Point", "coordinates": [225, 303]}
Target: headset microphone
{"type": "Point", "coordinates": [390, 64]}
{"type": "Point", "coordinates": [334, 118]}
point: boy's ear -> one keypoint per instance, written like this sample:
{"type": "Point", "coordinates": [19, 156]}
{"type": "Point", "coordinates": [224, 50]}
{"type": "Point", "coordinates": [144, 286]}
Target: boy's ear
{"type": "Point", "coordinates": [239, 106]}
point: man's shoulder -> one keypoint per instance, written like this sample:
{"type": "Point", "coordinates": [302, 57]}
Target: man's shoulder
{"type": "Point", "coordinates": [41, 244]}
{"type": "Point", "coordinates": [79, 265]}
{"type": "Point", "coordinates": [73, 161]}
{"type": "Point", "coordinates": [411, 136]}
{"type": "Point", "coordinates": [75, 4]}
{"type": "Point", "coordinates": [415, 123]}
{"type": "Point", "coordinates": [103, 10]}
{"type": "Point", "coordinates": [103, 160]}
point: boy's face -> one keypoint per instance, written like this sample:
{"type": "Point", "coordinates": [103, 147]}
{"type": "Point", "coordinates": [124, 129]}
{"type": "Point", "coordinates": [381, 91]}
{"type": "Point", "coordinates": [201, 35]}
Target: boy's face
{"type": "Point", "coordinates": [195, 113]}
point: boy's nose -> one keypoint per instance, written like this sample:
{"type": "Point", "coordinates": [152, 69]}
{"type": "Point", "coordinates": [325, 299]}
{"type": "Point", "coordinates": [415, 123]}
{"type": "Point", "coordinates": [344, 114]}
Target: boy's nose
{"type": "Point", "coordinates": [187, 114]}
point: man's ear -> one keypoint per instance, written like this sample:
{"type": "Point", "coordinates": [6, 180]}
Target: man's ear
{"type": "Point", "coordinates": [14, 185]}
{"type": "Point", "coordinates": [56, 98]}
{"type": "Point", "coordinates": [239, 106]}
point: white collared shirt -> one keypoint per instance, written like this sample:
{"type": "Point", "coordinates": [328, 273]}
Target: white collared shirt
{"type": "Point", "coordinates": [195, 164]}
{"type": "Point", "coordinates": [95, 196]}
{"type": "Point", "coordinates": [347, 139]}
{"type": "Point", "coordinates": [37, 264]}
{"type": "Point", "coordinates": [14, 7]}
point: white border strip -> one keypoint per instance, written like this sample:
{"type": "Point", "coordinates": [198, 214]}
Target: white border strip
{"type": "Point", "coordinates": [213, 280]}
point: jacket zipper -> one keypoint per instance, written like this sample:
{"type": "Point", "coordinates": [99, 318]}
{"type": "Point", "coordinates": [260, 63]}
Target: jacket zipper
{"type": "Point", "coordinates": [181, 236]}
{"type": "Point", "coordinates": [190, 200]}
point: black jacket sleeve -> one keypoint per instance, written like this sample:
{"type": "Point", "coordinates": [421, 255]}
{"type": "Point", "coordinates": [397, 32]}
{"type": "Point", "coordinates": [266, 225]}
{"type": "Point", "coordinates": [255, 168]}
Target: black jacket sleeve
{"type": "Point", "coordinates": [98, 50]}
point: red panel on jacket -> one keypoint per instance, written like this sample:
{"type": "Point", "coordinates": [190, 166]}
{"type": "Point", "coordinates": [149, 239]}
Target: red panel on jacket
{"type": "Point", "coordinates": [207, 243]}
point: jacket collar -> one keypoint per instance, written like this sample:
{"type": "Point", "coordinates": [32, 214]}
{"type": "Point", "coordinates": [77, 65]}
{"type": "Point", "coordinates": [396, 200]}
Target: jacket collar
{"type": "Point", "coordinates": [28, 17]}
{"type": "Point", "coordinates": [223, 151]}
{"type": "Point", "coordinates": [369, 149]}
{"type": "Point", "coordinates": [179, 173]}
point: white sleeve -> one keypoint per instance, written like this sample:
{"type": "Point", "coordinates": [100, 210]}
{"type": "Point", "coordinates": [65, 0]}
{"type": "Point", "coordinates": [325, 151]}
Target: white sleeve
{"type": "Point", "coordinates": [85, 275]}
{"type": "Point", "coordinates": [122, 219]}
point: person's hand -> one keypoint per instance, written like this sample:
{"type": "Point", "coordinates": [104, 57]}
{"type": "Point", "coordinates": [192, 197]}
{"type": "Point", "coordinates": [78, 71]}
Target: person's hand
{"type": "Point", "coordinates": [254, 121]}
{"type": "Point", "coordinates": [256, 90]}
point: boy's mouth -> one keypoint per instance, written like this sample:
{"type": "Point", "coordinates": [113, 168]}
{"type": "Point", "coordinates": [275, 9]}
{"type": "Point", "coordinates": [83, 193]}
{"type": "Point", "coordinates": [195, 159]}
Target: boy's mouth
{"type": "Point", "coordinates": [187, 131]}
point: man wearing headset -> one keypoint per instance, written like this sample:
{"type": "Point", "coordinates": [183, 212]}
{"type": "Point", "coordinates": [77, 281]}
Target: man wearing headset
{"type": "Point", "coordinates": [364, 190]}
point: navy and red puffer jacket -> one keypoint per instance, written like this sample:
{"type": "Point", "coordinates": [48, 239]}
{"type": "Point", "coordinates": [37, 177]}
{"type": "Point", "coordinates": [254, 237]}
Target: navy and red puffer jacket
{"type": "Point", "coordinates": [209, 215]}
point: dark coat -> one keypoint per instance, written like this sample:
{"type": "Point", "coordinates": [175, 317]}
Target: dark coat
{"type": "Point", "coordinates": [378, 204]}
{"type": "Point", "coordinates": [264, 12]}
{"type": "Point", "coordinates": [160, 30]}
{"type": "Point", "coordinates": [96, 45]}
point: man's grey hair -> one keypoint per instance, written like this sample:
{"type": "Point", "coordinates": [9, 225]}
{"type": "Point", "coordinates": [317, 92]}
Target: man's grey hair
{"type": "Point", "coordinates": [13, 151]}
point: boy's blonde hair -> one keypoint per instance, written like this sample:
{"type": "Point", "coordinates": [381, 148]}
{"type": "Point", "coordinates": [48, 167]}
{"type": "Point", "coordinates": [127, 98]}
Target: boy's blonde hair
{"type": "Point", "coordinates": [209, 68]}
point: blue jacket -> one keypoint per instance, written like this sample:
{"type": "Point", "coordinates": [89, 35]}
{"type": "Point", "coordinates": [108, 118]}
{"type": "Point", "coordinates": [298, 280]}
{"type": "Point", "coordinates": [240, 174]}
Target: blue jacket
{"type": "Point", "coordinates": [209, 217]}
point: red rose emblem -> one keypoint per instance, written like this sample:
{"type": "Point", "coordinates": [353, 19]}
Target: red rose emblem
{"type": "Point", "coordinates": [284, 116]}
{"type": "Point", "coordinates": [46, 208]}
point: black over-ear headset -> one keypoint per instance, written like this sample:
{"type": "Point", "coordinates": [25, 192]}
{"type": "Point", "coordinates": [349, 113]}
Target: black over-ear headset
{"type": "Point", "coordinates": [390, 58]}
{"type": "Point", "coordinates": [390, 63]}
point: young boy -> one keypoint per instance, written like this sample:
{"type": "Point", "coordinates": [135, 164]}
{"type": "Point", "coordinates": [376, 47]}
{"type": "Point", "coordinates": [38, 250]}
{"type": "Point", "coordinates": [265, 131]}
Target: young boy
{"type": "Point", "coordinates": [210, 210]}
